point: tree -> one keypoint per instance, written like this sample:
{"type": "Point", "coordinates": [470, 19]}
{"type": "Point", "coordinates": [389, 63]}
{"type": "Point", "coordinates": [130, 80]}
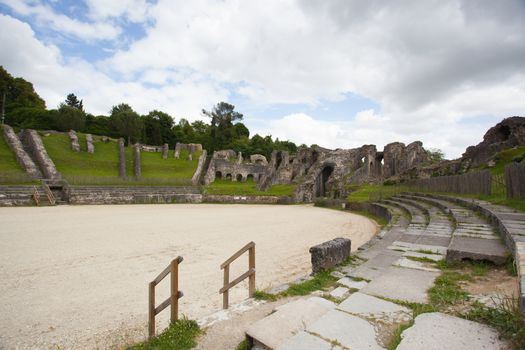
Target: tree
{"type": "Point", "coordinates": [435, 154]}
{"type": "Point", "coordinates": [222, 131]}
{"type": "Point", "coordinates": [157, 128]}
{"type": "Point", "coordinates": [19, 93]}
{"type": "Point", "coordinates": [72, 101]}
{"type": "Point", "coordinates": [69, 118]}
{"type": "Point", "coordinates": [125, 122]}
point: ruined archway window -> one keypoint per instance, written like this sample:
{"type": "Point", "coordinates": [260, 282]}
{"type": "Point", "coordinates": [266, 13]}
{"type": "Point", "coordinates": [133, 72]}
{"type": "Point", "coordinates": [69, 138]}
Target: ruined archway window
{"type": "Point", "coordinates": [249, 177]}
{"type": "Point", "coordinates": [218, 175]}
{"type": "Point", "coordinates": [228, 177]}
{"type": "Point", "coordinates": [239, 177]}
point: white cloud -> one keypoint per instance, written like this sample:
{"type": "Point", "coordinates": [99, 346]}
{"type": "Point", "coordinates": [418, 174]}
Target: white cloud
{"type": "Point", "coordinates": [63, 24]}
{"type": "Point", "coordinates": [54, 77]}
{"type": "Point", "coordinates": [429, 65]}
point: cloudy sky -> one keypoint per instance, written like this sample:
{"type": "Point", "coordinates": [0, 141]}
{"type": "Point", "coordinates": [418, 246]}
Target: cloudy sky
{"type": "Point", "coordinates": [337, 73]}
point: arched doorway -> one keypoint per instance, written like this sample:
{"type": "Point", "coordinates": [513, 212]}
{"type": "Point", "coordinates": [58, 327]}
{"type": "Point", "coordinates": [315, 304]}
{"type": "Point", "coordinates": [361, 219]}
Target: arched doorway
{"type": "Point", "coordinates": [218, 175]}
{"type": "Point", "coordinates": [239, 177]}
{"type": "Point", "coordinates": [322, 181]}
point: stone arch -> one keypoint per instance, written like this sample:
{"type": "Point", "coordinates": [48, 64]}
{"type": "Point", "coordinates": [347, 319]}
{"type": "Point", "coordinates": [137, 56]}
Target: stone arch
{"type": "Point", "coordinates": [218, 175]}
{"type": "Point", "coordinates": [228, 177]}
{"type": "Point", "coordinates": [321, 181]}
{"type": "Point", "coordinates": [238, 177]}
{"type": "Point", "coordinates": [250, 177]}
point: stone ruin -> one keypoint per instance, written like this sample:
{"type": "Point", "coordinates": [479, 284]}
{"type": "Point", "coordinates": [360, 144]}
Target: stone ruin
{"type": "Point", "coordinates": [318, 171]}
{"type": "Point", "coordinates": [75, 146]}
{"type": "Point", "coordinates": [190, 147]}
{"type": "Point", "coordinates": [228, 165]}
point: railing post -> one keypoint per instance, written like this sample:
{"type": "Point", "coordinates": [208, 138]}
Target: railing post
{"type": "Point", "coordinates": [226, 282]}
{"type": "Point", "coordinates": [251, 265]}
{"type": "Point", "coordinates": [174, 290]}
{"type": "Point", "coordinates": [151, 310]}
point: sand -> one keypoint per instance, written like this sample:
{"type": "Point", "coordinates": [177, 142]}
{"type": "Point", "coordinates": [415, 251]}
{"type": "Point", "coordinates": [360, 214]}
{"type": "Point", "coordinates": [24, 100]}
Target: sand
{"type": "Point", "coordinates": [77, 276]}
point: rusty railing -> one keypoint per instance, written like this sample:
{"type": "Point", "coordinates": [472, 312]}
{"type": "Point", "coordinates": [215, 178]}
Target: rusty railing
{"type": "Point", "coordinates": [250, 273]}
{"type": "Point", "coordinates": [173, 300]}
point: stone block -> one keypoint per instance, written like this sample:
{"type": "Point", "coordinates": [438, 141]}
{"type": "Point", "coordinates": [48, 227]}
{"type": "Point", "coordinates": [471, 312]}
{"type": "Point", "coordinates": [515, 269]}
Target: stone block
{"type": "Point", "coordinates": [121, 159]}
{"type": "Point", "coordinates": [165, 150]}
{"type": "Point", "coordinates": [328, 254]}
{"type": "Point", "coordinates": [136, 161]}
{"type": "Point", "coordinates": [89, 143]}
{"type": "Point", "coordinates": [75, 146]}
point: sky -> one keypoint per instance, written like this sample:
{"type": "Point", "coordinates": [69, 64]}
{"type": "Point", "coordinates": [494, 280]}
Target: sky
{"type": "Point", "coordinates": [338, 73]}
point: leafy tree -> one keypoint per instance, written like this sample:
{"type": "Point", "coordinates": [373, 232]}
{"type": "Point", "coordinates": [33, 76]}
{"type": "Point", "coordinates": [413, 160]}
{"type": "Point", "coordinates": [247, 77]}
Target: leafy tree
{"type": "Point", "coordinates": [19, 93]}
{"type": "Point", "coordinates": [436, 155]}
{"type": "Point", "coordinates": [222, 132]}
{"type": "Point", "coordinates": [157, 128]}
{"type": "Point", "coordinates": [69, 118]}
{"type": "Point", "coordinates": [125, 122]}
{"type": "Point", "coordinates": [31, 118]}
{"type": "Point", "coordinates": [98, 125]}
{"type": "Point", "coordinates": [73, 101]}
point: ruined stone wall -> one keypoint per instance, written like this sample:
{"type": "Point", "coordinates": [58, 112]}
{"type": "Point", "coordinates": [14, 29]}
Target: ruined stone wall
{"type": "Point", "coordinates": [200, 168]}
{"type": "Point", "coordinates": [226, 165]}
{"type": "Point", "coordinates": [89, 143]}
{"type": "Point", "coordinates": [34, 146]}
{"type": "Point", "coordinates": [22, 157]}
{"type": "Point", "coordinates": [190, 147]}
{"type": "Point", "coordinates": [75, 146]}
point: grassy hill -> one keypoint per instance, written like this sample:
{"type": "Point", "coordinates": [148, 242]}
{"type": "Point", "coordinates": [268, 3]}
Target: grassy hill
{"type": "Point", "coordinates": [248, 188]}
{"type": "Point", "coordinates": [10, 171]}
{"type": "Point", "coordinates": [101, 167]}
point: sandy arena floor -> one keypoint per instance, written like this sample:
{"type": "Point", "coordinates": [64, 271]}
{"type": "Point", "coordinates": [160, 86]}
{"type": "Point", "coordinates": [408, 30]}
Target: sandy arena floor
{"type": "Point", "coordinates": [76, 276]}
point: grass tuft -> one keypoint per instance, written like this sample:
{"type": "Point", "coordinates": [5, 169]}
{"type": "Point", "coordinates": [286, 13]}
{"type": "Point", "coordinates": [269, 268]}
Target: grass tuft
{"type": "Point", "coordinates": [320, 281]}
{"type": "Point", "coordinates": [505, 317]}
{"type": "Point", "coordinates": [446, 290]}
{"type": "Point", "coordinates": [180, 335]}
{"type": "Point", "coordinates": [243, 345]}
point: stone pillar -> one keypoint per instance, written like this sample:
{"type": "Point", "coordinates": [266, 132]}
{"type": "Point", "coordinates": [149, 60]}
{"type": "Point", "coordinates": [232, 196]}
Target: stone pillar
{"type": "Point", "coordinates": [89, 142]}
{"type": "Point", "coordinates": [239, 158]}
{"type": "Point", "coordinates": [190, 156]}
{"type": "Point", "coordinates": [136, 160]}
{"type": "Point", "coordinates": [177, 150]}
{"type": "Point", "coordinates": [121, 159]}
{"type": "Point", "coordinates": [33, 143]}
{"type": "Point", "coordinates": [165, 150]}
{"type": "Point", "coordinates": [75, 146]}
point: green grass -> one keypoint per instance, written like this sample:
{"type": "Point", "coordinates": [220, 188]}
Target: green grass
{"type": "Point", "coordinates": [420, 259]}
{"type": "Point", "coordinates": [368, 192]}
{"type": "Point", "coordinates": [248, 188]}
{"type": "Point", "coordinates": [396, 338]}
{"type": "Point", "coordinates": [506, 317]}
{"type": "Point", "coordinates": [10, 171]}
{"type": "Point", "coordinates": [446, 289]}
{"type": "Point", "coordinates": [503, 158]}
{"type": "Point", "coordinates": [320, 281]}
{"type": "Point", "coordinates": [180, 335]}
{"type": "Point", "coordinates": [101, 167]}
{"type": "Point", "coordinates": [243, 345]}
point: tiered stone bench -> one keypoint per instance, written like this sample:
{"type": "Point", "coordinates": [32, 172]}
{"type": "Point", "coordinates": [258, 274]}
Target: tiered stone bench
{"type": "Point", "coordinates": [421, 227]}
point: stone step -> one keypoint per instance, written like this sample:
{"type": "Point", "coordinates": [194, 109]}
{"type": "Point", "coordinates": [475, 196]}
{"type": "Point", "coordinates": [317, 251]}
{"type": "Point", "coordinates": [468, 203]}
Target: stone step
{"type": "Point", "coordinates": [437, 331]}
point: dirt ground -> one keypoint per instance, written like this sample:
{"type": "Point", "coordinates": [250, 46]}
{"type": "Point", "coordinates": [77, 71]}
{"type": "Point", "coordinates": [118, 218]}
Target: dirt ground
{"type": "Point", "coordinates": [76, 276]}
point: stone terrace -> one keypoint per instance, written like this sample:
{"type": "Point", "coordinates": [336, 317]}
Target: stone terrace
{"type": "Point", "coordinates": [428, 227]}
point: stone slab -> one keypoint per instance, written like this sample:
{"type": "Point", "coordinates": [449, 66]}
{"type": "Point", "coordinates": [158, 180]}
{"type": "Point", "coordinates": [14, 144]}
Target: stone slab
{"type": "Point", "coordinates": [434, 257]}
{"type": "Point", "coordinates": [414, 247]}
{"type": "Point", "coordinates": [437, 331]}
{"type": "Point", "coordinates": [412, 264]}
{"type": "Point", "coordinates": [351, 283]}
{"type": "Point", "coordinates": [288, 320]}
{"type": "Point", "coordinates": [477, 249]}
{"type": "Point", "coordinates": [403, 284]}
{"type": "Point", "coordinates": [339, 292]}
{"type": "Point", "coordinates": [302, 341]}
{"type": "Point", "coordinates": [374, 267]}
{"type": "Point", "coordinates": [367, 306]}
{"type": "Point", "coordinates": [434, 240]}
{"type": "Point", "coordinates": [350, 331]}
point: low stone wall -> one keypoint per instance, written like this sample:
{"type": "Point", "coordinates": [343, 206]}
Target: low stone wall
{"type": "Point", "coordinates": [373, 208]}
{"type": "Point", "coordinates": [22, 157]}
{"type": "Point", "coordinates": [12, 196]}
{"type": "Point", "coordinates": [328, 254]}
{"type": "Point", "coordinates": [210, 198]}
{"type": "Point", "coordinates": [140, 195]}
